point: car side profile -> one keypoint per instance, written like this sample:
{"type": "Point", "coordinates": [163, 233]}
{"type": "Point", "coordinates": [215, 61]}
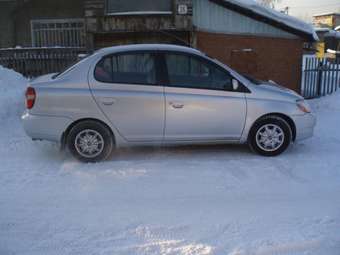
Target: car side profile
{"type": "Point", "coordinates": [161, 95]}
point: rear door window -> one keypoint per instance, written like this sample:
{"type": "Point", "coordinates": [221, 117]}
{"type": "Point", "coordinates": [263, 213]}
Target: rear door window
{"type": "Point", "coordinates": [128, 68]}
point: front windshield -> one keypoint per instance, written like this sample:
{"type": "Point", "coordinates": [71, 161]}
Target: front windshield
{"type": "Point", "coordinates": [252, 79]}
{"type": "Point", "coordinates": [246, 76]}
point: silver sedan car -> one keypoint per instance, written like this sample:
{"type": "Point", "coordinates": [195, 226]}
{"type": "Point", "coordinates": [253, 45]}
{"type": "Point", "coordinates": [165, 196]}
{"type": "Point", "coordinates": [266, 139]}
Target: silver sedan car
{"type": "Point", "coordinates": [161, 95]}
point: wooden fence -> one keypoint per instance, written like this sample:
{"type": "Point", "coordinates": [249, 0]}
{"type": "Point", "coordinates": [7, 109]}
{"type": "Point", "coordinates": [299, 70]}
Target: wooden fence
{"type": "Point", "coordinates": [32, 62]}
{"type": "Point", "coordinates": [320, 77]}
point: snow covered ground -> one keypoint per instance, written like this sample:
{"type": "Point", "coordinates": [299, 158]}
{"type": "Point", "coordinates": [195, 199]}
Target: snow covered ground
{"type": "Point", "coordinates": [189, 200]}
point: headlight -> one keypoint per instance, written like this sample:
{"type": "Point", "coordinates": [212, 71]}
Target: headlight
{"type": "Point", "coordinates": [303, 106]}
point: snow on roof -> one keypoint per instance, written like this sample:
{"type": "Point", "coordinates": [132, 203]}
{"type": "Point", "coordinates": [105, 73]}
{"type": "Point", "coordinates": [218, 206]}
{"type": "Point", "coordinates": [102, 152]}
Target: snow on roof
{"type": "Point", "coordinates": [277, 16]}
{"type": "Point", "coordinates": [322, 29]}
{"type": "Point", "coordinates": [327, 14]}
{"type": "Point", "coordinates": [333, 33]}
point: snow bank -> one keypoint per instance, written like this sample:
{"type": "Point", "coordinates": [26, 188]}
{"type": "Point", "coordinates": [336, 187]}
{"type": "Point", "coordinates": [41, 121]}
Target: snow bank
{"type": "Point", "coordinates": [208, 200]}
{"type": "Point", "coordinates": [328, 104]}
{"type": "Point", "coordinates": [12, 89]}
{"type": "Point", "coordinates": [285, 19]}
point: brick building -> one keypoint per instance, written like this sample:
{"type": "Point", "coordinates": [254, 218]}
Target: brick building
{"type": "Point", "coordinates": [247, 37]}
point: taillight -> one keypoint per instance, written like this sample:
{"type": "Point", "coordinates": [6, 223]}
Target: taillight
{"type": "Point", "coordinates": [30, 97]}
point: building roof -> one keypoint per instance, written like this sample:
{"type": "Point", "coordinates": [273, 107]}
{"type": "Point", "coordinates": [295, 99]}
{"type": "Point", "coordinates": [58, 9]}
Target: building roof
{"type": "Point", "coordinates": [327, 14]}
{"type": "Point", "coordinates": [267, 15]}
{"type": "Point", "coordinates": [333, 33]}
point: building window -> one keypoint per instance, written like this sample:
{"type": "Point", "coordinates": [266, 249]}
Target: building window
{"type": "Point", "coordinates": [117, 7]}
{"type": "Point", "coordinates": [58, 32]}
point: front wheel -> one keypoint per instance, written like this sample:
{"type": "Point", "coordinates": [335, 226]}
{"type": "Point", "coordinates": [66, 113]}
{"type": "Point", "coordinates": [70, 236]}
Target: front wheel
{"type": "Point", "coordinates": [270, 136]}
{"type": "Point", "coordinates": [90, 141]}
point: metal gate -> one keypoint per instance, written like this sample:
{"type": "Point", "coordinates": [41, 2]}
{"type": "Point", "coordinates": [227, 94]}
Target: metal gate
{"type": "Point", "coordinates": [320, 77]}
{"type": "Point", "coordinates": [58, 32]}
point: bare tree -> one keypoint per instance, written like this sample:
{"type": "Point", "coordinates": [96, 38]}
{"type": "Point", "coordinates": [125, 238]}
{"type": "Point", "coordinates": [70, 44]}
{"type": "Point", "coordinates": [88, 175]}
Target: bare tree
{"type": "Point", "coordinates": [269, 3]}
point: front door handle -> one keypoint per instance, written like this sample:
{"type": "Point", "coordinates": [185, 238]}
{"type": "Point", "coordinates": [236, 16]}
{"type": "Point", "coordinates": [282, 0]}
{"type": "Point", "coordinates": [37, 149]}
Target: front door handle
{"type": "Point", "coordinates": [177, 105]}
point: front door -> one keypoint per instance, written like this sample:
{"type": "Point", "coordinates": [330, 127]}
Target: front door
{"type": "Point", "coordinates": [125, 87]}
{"type": "Point", "coordinates": [201, 103]}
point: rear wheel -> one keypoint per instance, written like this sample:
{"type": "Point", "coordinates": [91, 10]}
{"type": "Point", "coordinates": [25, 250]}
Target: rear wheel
{"type": "Point", "coordinates": [270, 136]}
{"type": "Point", "coordinates": [90, 141]}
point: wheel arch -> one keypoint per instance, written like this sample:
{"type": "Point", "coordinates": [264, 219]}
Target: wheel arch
{"type": "Point", "coordinates": [73, 124]}
{"type": "Point", "coordinates": [288, 119]}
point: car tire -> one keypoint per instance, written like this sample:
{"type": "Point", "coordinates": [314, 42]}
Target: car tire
{"type": "Point", "coordinates": [270, 136]}
{"type": "Point", "coordinates": [90, 141]}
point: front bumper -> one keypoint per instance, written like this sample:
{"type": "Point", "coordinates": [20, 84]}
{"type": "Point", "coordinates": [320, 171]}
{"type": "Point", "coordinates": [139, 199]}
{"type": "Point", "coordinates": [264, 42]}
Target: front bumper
{"type": "Point", "coordinates": [305, 125]}
{"type": "Point", "coordinates": [43, 127]}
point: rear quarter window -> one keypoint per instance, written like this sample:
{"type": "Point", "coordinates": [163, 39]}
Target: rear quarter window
{"type": "Point", "coordinates": [103, 71]}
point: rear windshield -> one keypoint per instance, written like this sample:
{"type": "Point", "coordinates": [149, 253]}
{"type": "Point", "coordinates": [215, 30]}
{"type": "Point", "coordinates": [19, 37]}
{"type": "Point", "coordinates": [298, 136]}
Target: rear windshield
{"type": "Point", "coordinates": [81, 59]}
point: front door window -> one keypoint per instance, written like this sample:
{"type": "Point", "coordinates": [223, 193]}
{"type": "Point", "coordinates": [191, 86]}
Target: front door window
{"type": "Point", "coordinates": [193, 72]}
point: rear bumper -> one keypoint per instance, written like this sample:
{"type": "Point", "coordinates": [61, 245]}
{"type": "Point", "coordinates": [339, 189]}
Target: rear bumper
{"type": "Point", "coordinates": [43, 127]}
{"type": "Point", "coordinates": [305, 125]}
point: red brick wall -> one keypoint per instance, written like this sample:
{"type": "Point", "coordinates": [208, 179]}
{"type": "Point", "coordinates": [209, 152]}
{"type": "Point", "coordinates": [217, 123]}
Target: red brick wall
{"type": "Point", "coordinates": [274, 59]}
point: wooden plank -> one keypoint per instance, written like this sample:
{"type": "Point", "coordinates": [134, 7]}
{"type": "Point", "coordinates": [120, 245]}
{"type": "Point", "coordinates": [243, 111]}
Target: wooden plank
{"type": "Point", "coordinates": [319, 79]}
{"type": "Point", "coordinates": [305, 92]}
{"type": "Point", "coordinates": [333, 72]}
{"type": "Point", "coordinates": [304, 85]}
{"type": "Point", "coordinates": [337, 85]}
{"type": "Point", "coordinates": [314, 77]}
{"type": "Point", "coordinates": [310, 78]}
{"type": "Point", "coordinates": [327, 79]}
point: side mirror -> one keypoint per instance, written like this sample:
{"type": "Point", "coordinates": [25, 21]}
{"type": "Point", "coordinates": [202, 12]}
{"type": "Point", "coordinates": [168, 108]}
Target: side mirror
{"type": "Point", "coordinates": [236, 84]}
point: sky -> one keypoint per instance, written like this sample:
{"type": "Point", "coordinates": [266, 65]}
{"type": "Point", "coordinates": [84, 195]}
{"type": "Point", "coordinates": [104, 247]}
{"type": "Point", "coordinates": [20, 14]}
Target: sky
{"type": "Point", "coordinates": [306, 8]}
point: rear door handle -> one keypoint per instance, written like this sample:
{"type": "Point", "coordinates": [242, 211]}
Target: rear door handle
{"type": "Point", "coordinates": [177, 105]}
{"type": "Point", "coordinates": [108, 101]}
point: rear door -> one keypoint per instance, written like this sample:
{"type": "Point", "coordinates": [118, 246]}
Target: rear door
{"type": "Point", "coordinates": [201, 103]}
{"type": "Point", "coordinates": [126, 88]}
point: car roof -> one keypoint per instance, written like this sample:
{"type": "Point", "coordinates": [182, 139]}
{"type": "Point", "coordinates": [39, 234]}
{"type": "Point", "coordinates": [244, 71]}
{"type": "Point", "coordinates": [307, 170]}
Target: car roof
{"type": "Point", "coordinates": [147, 47]}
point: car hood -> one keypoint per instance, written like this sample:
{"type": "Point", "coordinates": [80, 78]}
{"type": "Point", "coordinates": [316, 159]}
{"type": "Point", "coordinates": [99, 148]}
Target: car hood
{"type": "Point", "coordinates": [278, 88]}
{"type": "Point", "coordinates": [273, 91]}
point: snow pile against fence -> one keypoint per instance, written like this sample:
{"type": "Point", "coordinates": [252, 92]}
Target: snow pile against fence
{"type": "Point", "coordinates": [12, 89]}
{"type": "Point", "coordinates": [279, 17]}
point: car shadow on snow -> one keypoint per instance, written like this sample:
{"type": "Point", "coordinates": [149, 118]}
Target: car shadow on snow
{"type": "Point", "coordinates": [136, 162]}
{"type": "Point", "coordinates": [235, 164]}
{"type": "Point", "coordinates": [180, 152]}
{"type": "Point", "coordinates": [233, 160]}
{"type": "Point", "coordinates": [52, 152]}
